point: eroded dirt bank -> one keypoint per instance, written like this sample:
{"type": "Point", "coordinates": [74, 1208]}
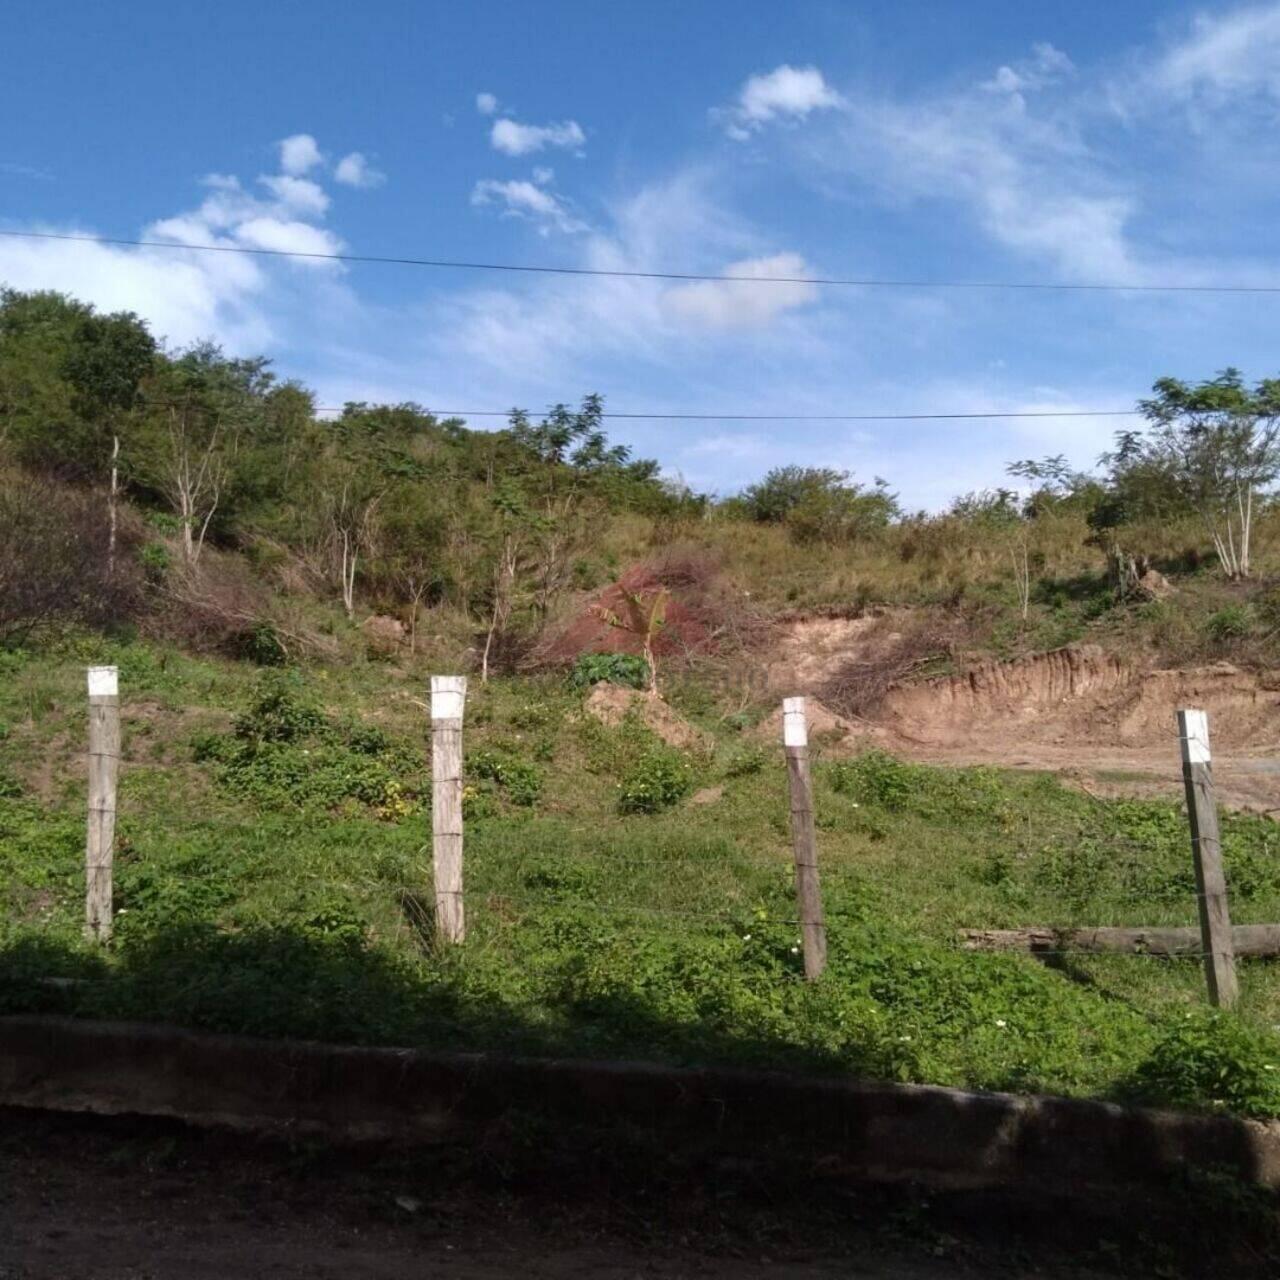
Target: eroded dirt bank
{"type": "Point", "coordinates": [1097, 719]}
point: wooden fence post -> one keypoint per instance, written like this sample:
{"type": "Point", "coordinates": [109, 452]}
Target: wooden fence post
{"type": "Point", "coordinates": [448, 697]}
{"type": "Point", "coordinates": [104, 769]}
{"type": "Point", "coordinates": [813, 930]}
{"type": "Point", "coordinates": [1206, 850]}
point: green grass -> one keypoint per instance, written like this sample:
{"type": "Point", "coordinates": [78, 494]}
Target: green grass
{"type": "Point", "coordinates": [273, 877]}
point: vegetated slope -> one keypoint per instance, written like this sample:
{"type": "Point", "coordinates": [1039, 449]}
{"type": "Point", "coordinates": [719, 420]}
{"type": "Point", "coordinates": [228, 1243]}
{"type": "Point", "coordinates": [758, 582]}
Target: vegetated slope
{"type": "Point", "coordinates": [273, 878]}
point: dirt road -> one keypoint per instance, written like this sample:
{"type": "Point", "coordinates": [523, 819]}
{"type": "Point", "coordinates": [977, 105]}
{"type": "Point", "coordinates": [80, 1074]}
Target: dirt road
{"type": "Point", "coordinates": [133, 1200]}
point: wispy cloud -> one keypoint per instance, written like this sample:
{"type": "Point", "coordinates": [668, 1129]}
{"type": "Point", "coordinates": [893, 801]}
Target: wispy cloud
{"type": "Point", "coordinates": [25, 171]}
{"type": "Point", "coordinates": [737, 304]}
{"type": "Point", "coordinates": [520, 198]}
{"type": "Point", "coordinates": [1223, 55]}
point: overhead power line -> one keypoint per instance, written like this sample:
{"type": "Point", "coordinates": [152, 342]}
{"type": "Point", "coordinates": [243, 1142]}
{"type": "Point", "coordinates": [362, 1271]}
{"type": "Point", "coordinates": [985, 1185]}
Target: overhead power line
{"type": "Point", "coordinates": [688, 276]}
{"type": "Point", "coordinates": [621, 416]}
{"type": "Point", "coordinates": [790, 417]}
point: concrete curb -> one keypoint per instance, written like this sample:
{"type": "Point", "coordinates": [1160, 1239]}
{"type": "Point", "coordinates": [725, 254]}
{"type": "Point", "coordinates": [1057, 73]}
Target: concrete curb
{"type": "Point", "coordinates": [848, 1127]}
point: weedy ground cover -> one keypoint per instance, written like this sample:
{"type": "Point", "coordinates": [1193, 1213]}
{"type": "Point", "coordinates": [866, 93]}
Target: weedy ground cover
{"type": "Point", "coordinates": [273, 878]}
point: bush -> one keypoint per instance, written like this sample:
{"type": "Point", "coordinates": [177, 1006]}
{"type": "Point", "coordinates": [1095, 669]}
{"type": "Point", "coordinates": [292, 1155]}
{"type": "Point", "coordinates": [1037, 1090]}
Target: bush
{"type": "Point", "coordinates": [745, 762]}
{"type": "Point", "coordinates": [875, 778]}
{"type": "Point", "coordinates": [284, 753]}
{"type": "Point", "coordinates": [521, 781]}
{"type": "Point", "coordinates": [278, 711]}
{"type": "Point", "coordinates": [625, 669]}
{"type": "Point", "coordinates": [1212, 1060]}
{"type": "Point", "coordinates": [1233, 622]}
{"type": "Point", "coordinates": [655, 782]}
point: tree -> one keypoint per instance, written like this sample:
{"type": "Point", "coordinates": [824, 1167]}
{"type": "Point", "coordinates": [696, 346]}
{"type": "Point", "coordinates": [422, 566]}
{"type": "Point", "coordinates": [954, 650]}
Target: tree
{"type": "Point", "coordinates": [192, 465]}
{"type": "Point", "coordinates": [1216, 445]}
{"type": "Point", "coordinates": [109, 358]}
{"type": "Point", "coordinates": [514, 523]}
{"type": "Point", "coordinates": [643, 619]}
{"type": "Point", "coordinates": [819, 504]}
{"type": "Point", "coordinates": [69, 380]}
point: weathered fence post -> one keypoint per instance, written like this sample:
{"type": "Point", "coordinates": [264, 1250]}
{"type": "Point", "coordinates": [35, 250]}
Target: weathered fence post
{"type": "Point", "coordinates": [1206, 850]}
{"type": "Point", "coordinates": [813, 930]}
{"type": "Point", "coordinates": [104, 769]}
{"type": "Point", "coordinates": [448, 697]}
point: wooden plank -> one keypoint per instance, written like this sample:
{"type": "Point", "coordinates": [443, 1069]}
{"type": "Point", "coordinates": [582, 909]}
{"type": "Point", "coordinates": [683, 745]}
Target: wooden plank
{"type": "Point", "coordinates": [1206, 851]}
{"type": "Point", "coordinates": [104, 768]}
{"type": "Point", "coordinates": [1247, 940]}
{"type": "Point", "coordinates": [813, 929]}
{"type": "Point", "coordinates": [448, 698]}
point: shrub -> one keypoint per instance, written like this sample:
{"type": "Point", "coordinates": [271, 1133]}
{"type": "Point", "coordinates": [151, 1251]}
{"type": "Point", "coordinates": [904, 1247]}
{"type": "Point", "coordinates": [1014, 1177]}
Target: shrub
{"type": "Point", "coordinates": [659, 779]}
{"type": "Point", "coordinates": [874, 778]}
{"type": "Point", "coordinates": [521, 781]}
{"type": "Point", "coordinates": [1212, 1060]}
{"type": "Point", "coordinates": [283, 752]}
{"type": "Point", "coordinates": [278, 711]}
{"type": "Point", "coordinates": [610, 668]}
{"type": "Point", "coordinates": [1233, 622]}
{"type": "Point", "coordinates": [744, 762]}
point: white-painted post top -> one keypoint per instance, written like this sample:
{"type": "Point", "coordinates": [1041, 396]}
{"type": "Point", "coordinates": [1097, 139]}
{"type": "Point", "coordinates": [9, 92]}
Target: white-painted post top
{"type": "Point", "coordinates": [104, 682]}
{"type": "Point", "coordinates": [448, 697]}
{"type": "Point", "coordinates": [1193, 735]}
{"type": "Point", "coordinates": [795, 725]}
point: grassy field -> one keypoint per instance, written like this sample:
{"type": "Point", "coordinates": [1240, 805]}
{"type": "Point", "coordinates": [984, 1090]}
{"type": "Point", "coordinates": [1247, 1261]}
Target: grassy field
{"type": "Point", "coordinates": [273, 878]}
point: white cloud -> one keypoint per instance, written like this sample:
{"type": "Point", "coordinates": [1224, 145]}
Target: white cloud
{"type": "Point", "coordinates": [299, 154]}
{"type": "Point", "coordinates": [286, 237]}
{"type": "Point", "coordinates": [298, 194]}
{"type": "Point", "coordinates": [515, 139]}
{"type": "Point", "coordinates": [354, 170]}
{"type": "Point", "coordinates": [521, 199]}
{"type": "Point", "coordinates": [486, 104]}
{"type": "Point", "coordinates": [183, 296]}
{"type": "Point", "coordinates": [1025, 171]}
{"type": "Point", "coordinates": [1225, 54]}
{"type": "Point", "coordinates": [736, 304]}
{"type": "Point", "coordinates": [1046, 66]}
{"type": "Point", "coordinates": [785, 93]}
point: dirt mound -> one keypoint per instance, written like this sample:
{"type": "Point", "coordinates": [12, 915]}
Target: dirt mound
{"type": "Point", "coordinates": [610, 703]}
{"type": "Point", "coordinates": [810, 651]}
{"type": "Point", "coordinates": [826, 729]}
{"type": "Point", "coordinates": [690, 614]}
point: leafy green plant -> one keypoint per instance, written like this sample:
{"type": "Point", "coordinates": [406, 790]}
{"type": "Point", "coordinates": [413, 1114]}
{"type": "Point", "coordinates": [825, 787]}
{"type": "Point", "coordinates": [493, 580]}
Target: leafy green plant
{"type": "Point", "coordinates": [1212, 1060]}
{"type": "Point", "coordinates": [521, 781]}
{"type": "Point", "coordinates": [659, 779]}
{"type": "Point", "coordinates": [745, 762]}
{"type": "Point", "coordinates": [1232, 622]}
{"type": "Point", "coordinates": [625, 669]}
{"type": "Point", "coordinates": [283, 752]}
{"type": "Point", "coordinates": [279, 711]}
{"type": "Point", "coordinates": [874, 778]}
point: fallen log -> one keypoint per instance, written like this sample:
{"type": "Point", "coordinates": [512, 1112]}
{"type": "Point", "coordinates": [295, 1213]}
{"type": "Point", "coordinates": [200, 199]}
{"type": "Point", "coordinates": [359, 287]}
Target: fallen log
{"type": "Point", "coordinates": [1249, 940]}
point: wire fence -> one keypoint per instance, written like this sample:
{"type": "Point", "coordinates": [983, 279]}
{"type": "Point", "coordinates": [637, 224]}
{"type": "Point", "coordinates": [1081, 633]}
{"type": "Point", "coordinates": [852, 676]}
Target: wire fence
{"type": "Point", "coordinates": [1121, 897]}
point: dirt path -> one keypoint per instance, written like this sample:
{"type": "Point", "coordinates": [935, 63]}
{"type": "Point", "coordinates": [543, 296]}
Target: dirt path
{"type": "Point", "coordinates": [133, 1200]}
{"type": "Point", "coordinates": [1244, 781]}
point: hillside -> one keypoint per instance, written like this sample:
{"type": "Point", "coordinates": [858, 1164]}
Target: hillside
{"type": "Point", "coordinates": [276, 588]}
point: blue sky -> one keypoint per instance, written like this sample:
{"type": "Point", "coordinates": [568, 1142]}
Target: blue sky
{"type": "Point", "coordinates": [1133, 143]}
